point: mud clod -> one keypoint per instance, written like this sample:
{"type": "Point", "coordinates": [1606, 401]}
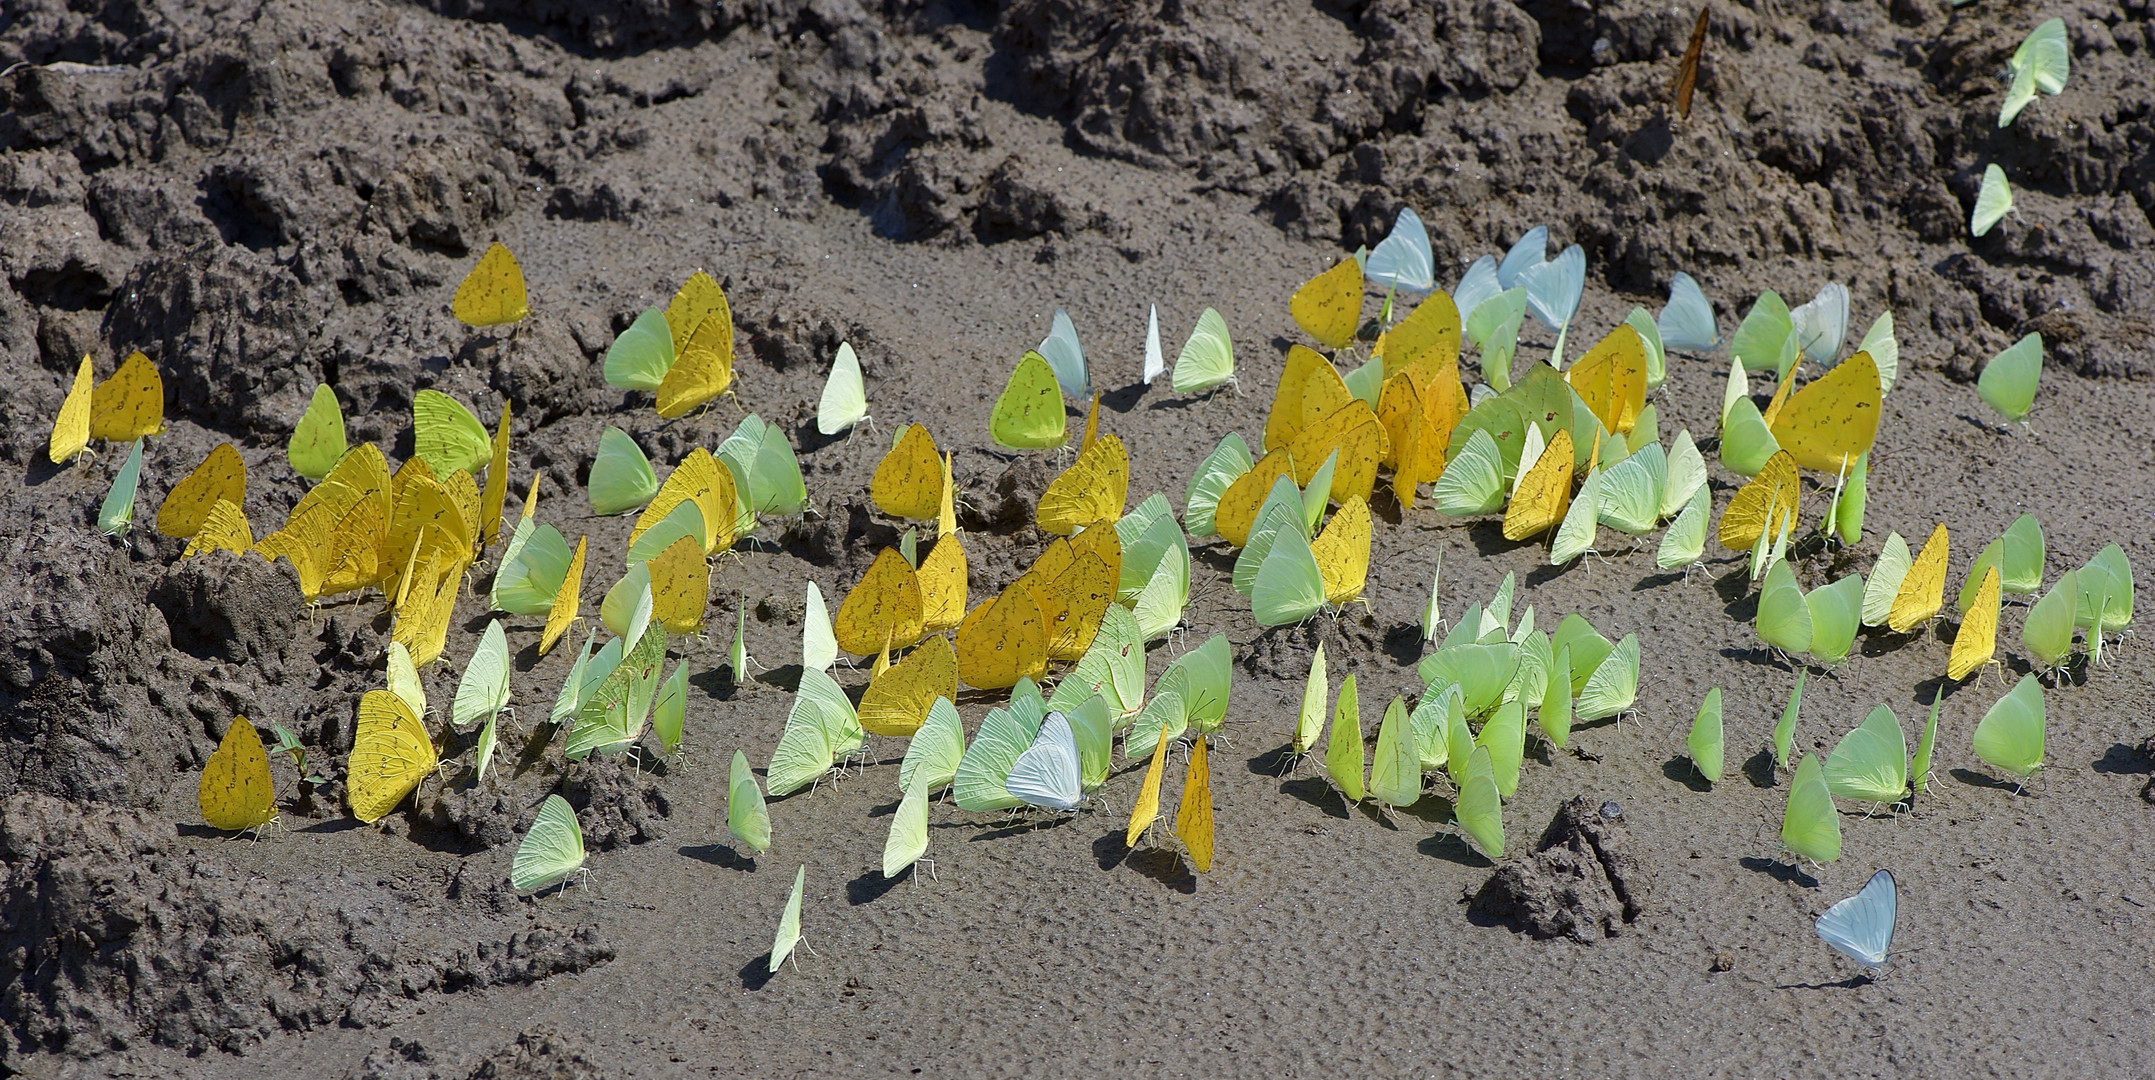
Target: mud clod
{"type": "Point", "coordinates": [1583, 882]}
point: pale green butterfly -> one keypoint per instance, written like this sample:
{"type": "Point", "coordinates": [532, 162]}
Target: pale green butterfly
{"type": "Point", "coordinates": [1318, 494]}
{"type": "Point", "coordinates": [446, 435]}
{"type": "Point", "coordinates": [1737, 388]}
{"type": "Point", "coordinates": [1757, 343]}
{"type": "Point", "coordinates": [642, 355]}
{"type": "Point", "coordinates": [318, 440]}
{"type": "Point", "coordinates": [1586, 645]}
{"type": "Point", "coordinates": [1481, 671]}
{"type": "Point", "coordinates": [1367, 381]}
{"type": "Point", "coordinates": [2043, 62]}
{"type": "Point", "coordinates": [1471, 628]}
{"type": "Point", "coordinates": [552, 849]}
{"type": "Point", "coordinates": [908, 830]}
{"type": "Point", "coordinates": [621, 477]}
{"type": "Point", "coordinates": [1836, 615]}
{"type": "Point", "coordinates": [1746, 441]}
{"type": "Point", "coordinates": [740, 642]}
{"type": "Point", "coordinates": [571, 696]}
{"type": "Point", "coordinates": [1458, 743]}
{"type": "Point", "coordinates": [1430, 716]}
{"type": "Point", "coordinates": [1530, 680]}
{"type": "Point", "coordinates": [1395, 774]}
{"type": "Point", "coordinates": [1497, 615]}
{"type": "Point", "coordinates": [613, 715]}
{"type": "Point", "coordinates": [765, 468]}
{"type": "Point", "coordinates": [1575, 537]}
{"type": "Point", "coordinates": [1784, 731]}
{"type": "Point", "coordinates": [619, 606]}
{"type": "Point", "coordinates": [1994, 555]}
{"type": "Point", "coordinates": [684, 521]}
{"type": "Point", "coordinates": [1784, 620]}
{"type": "Point", "coordinates": [1810, 826]}
{"type": "Point", "coordinates": [1143, 544]}
{"type": "Point", "coordinates": [1504, 736]}
{"type": "Point", "coordinates": [1316, 692]}
{"type": "Point", "coordinates": [2106, 586]}
{"type": "Point", "coordinates": [1494, 327]}
{"type": "Point", "coordinates": [1158, 604]}
{"type": "Point", "coordinates": [1870, 763]}
{"type": "Point", "coordinates": [1631, 491]}
{"type": "Point", "coordinates": [1343, 756]}
{"type": "Point", "coordinates": [484, 688]}
{"type": "Point", "coordinates": [2010, 736]}
{"type": "Point", "coordinates": [1885, 580]}
{"type": "Point", "coordinates": [483, 752]}
{"type": "Point", "coordinates": [670, 713]}
{"type": "Point", "coordinates": [1657, 371]}
{"type": "Point", "coordinates": [1281, 511]}
{"type": "Point", "coordinates": [1993, 201]}
{"type": "Point", "coordinates": [1112, 668]}
{"type": "Point", "coordinates": [1614, 685]}
{"type": "Point", "coordinates": [1004, 735]}
{"type": "Point", "coordinates": [1204, 678]}
{"type": "Point", "coordinates": [1092, 727]}
{"type": "Point", "coordinates": [532, 570]}
{"type": "Point", "coordinates": [1685, 541]}
{"type": "Point", "coordinates": [748, 818]}
{"type": "Point", "coordinates": [2008, 381]}
{"type": "Point", "coordinates": [1554, 715]}
{"type": "Point", "coordinates": [2048, 632]}
{"type": "Point", "coordinates": [1919, 770]}
{"type": "Point", "coordinates": [819, 645]}
{"type": "Point", "coordinates": [820, 729]}
{"type": "Point", "coordinates": [1885, 351]}
{"type": "Point", "coordinates": [1646, 431]}
{"type": "Point", "coordinates": [1228, 460]}
{"type": "Point", "coordinates": [2021, 563]}
{"type": "Point", "coordinates": [1431, 617]}
{"type": "Point", "coordinates": [789, 923]}
{"type": "Point", "coordinates": [1527, 252]}
{"type": "Point", "coordinates": [404, 679]}
{"type": "Point", "coordinates": [1480, 810]}
{"type": "Point", "coordinates": [1844, 515]}
{"type": "Point", "coordinates": [1289, 587]}
{"type": "Point", "coordinates": [1531, 445]}
{"type": "Point", "coordinates": [845, 398]}
{"type": "Point", "coordinates": [1163, 710]}
{"type": "Point", "coordinates": [117, 512]}
{"type": "Point", "coordinates": [1208, 357]}
{"type": "Point", "coordinates": [933, 753]}
{"type": "Point", "coordinates": [1705, 742]}
{"type": "Point", "coordinates": [1473, 480]}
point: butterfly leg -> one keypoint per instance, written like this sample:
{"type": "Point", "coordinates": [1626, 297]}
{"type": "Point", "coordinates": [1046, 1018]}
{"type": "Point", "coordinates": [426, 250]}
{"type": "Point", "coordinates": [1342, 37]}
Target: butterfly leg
{"type": "Point", "coordinates": [927, 862]}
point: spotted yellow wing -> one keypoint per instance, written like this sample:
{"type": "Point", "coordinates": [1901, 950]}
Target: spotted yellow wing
{"type": "Point", "coordinates": [702, 480]}
{"type": "Point", "coordinates": [224, 529]}
{"type": "Point", "coordinates": [1544, 493]}
{"type": "Point", "coordinates": [1923, 589]}
{"type": "Point", "coordinates": [1611, 379]}
{"type": "Point", "coordinates": [1309, 387]}
{"type": "Point", "coordinates": [71, 428]}
{"type": "Point", "coordinates": [1238, 505]}
{"type": "Point", "coordinates": [236, 790]}
{"type": "Point", "coordinates": [428, 518]}
{"type": "Point", "coordinates": [1329, 305]}
{"type": "Point", "coordinates": [699, 300]}
{"type": "Point", "coordinates": [701, 372]}
{"type": "Point", "coordinates": [1092, 490]}
{"type": "Point", "coordinates": [1769, 499]}
{"type": "Point", "coordinates": [1342, 552]}
{"type": "Point", "coordinates": [1428, 338]}
{"type": "Point", "coordinates": [222, 475]}
{"type": "Point", "coordinates": [130, 404]}
{"type": "Point", "coordinates": [1003, 640]}
{"type": "Point", "coordinates": [493, 293]}
{"type": "Point", "coordinates": [884, 609]}
{"type": "Point", "coordinates": [566, 601]}
{"type": "Point", "coordinates": [1977, 639]}
{"type": "Point", "coordinates": [680, 586]}
{"type": "Point", "coordinates": [908, 482]}
{"type": "Point", "coordinates": [1193, 819]}
{"type": "Point", "coordinates": [942, 577]}
{"type": "Point", "coordinates": [391, 753]}
{"type": "Point", "coordinates": [497, 482]}
{"type": "Point", "coordinates": [897, 701]}
{"type": "Point", "coordinates": [1355, 432]}
{"type": "Point", "coordinates": [421, 624]}
{"type": "Point", "coordinates": [1833, 420]}
{"type": "Point", "coordinates": [1148, 796]}
{"type": "Point", "coordinates": [1074, 582]}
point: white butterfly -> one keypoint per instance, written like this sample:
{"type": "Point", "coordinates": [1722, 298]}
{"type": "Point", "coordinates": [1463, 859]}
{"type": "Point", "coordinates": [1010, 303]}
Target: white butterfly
{"type": "Point", "coordinates": [1048, 774]}
{"type": "Point", "coordinates": [1155, 363]}
{"type": "Point", "coordinates": [1861, 927]}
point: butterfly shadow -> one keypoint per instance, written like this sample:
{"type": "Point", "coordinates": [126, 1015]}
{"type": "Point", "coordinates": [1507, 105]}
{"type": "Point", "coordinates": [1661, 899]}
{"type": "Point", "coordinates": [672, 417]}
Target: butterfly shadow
{"type": "Point", "coordinates": [1275, 762]}
{"type": "Point", "coordinates": [333, 825]}
{"type": "Point", "coordinates": [1853, 982]}
{"type": "Point", "coordinates": [1318, 792]}
{"type": "Point", "coordinates": [2123, 760]}
{"type": "Point", "coordinates": [1023, 827]}
{"type": "Point", "coordinates": [1164, 866]}
{"type": "Point", "coordinates": [1655, 581]}
{"type": "Point", "coordinates": [757, 973]}
{"type": "Point", "coordinates": [1984, 780]}
{"type": "Point", "coordinates": [1759, 769]}
{"type": "Point", "coordinates": [1452, 847]}
{"type": "Point", "coordinates": [872, 885]}
{"type": "Point", "coordinates": [723, 856]}
{"type": "Point", "coordinates": [717, 681]}
{"type": "Point", "coordinates": [1759, 657]}
{"type": "Point", "coordinates": [1680, 769]}
{"type": "Point", "coordinates": [1488, 539]}
{"type": "Point", "coordinates": [1787, 872]}
{"type": "Point", "coordinates": [1123, 399]}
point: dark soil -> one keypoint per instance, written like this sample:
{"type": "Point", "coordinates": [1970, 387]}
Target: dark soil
{"type": "Point", "coordinates": [268, 196]}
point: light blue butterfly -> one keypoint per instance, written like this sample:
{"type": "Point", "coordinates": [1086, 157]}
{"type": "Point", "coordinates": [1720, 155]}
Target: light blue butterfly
{"type": "Point", "coordinates": [1687, 321]}
{"type": "Point", "coordinates": [1403, 260]}
{"type": "Point", "coordinates": [1861, 927]}
{"type": "Point", "coordinates": [1067, 357]}
{"type": "Point", "coordinates": [1048, 774]}
{"type": "Point", "coordinates": [1531, 251]}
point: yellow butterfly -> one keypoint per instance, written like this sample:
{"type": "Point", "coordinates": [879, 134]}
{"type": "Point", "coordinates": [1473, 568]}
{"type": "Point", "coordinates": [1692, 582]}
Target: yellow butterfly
{"type": "Point", "coordinates": [1923, 589]}
{"type": "Point", "coordinates": [1309, 390]}
{"type": "Point", "coordinates": [1238, 505]}
{"type": "Point", "coordinates": [391, 753]}
{"type": "Point", "coordinates": [695, 304]}
{"type": "Point", "coordinates": [422, 621]}
{"type": "Point", "coordinates": [942, 578]}
{"type": "Point", "coordinates": [225, 529]}
{"type": "Point", "coordinates": [680, 586]}
{"type": "Point", "coordinates": [493, 293]}
{"type": "Point", "coordinates": [1003, 640]}
{"type": "Point", "coordinates": [1977, 639]}
{"type": "Point", "coordinates": [702, 370]}
{"type": "Point", "coordinates": [236, 791]}
{"type": "Point", "coordinates": [897, 700]}
{"type": "Point", "coordinates": [1428, 338]}
{"type": "Point", "coordinates": [946, 518]}
{"type": "Point", "coordinates": [1193, 819]}
{"type": "Point", "coordinates": [71, 428]}
{"type": "Point", "coordinates": [1092, 424]}
{"type": "Point", "coordinates": [1092, 490]}
{"type": "Point", "coordinates": [566, 602]}
{"type": "Point", "coordinates": [497, 482]}
{"type": "Point", "coordinates": [1831, 421]}
{"type": "Point", "coordinates": [1611, 379]}
{"type": "Point", "coordinates": [130, 404]}
{"type": "Point", "coordinates": [1329, 305]}
{"type": "Point", "coordinates": [1074, 581]}
{"type": "Point", "coordinates": [883, 610]}
{"type": "Point", "coordinates": [1544, 493]}
{"type": "Point", "coordinates": [222, 475]}
{"type": "Point", "coordinates": [427, 519]}
{"type": "Point", "coordinates": [702, 480]}
{"type": "Point", "coordinates": [1354, 431]}
{"type": "Point", "coordinates": [1768, 501]}
{"type": "Point", "coordinates": [334, 536]}
{"type": "Point", "coordinates": [1148, 796]}
{"type": "Point", "coordinates": [908, 481]}
{"type": "Point", "coordinates": [1342, 552]}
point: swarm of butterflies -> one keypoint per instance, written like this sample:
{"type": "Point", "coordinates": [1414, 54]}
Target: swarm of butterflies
{"type": "Point", "coordinates": [1560, 451]}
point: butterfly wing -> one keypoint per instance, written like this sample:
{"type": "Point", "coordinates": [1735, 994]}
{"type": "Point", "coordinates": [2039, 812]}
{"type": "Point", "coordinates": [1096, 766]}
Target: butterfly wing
{"type": "Point", "coordinates": [845, 397]}
{"type": "Point", "coordinates": [1861, 927]}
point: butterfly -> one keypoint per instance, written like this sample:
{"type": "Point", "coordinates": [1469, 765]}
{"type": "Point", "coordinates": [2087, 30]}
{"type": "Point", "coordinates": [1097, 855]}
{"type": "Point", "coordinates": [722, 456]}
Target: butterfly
{"type": "Point", "coordinates": [1861, 927]}
{"type": "Point", "coordinates": [567, 600]}
{"type": "Point", "coordinates": [1049, 774]}
{"type": "Point", "coordinates": [1686, 322]}
{"type": "Point", "coordinates": [1821, 325]}
{"type": "Point", "coordinates": [908, 482]}
{"type": "Point", "coordinates": [1553, 289]}
{"type": "Point", "coordinates": [1976, 641]}
{"type": "Point", "coordinates": [1155, 579]}
{"type": "Point", "coordinates": [1030, 413]}
{"type": "Point", "coordinates": [1147, 808]}
{"type": "Point", "coordinates": [642, 355]}
{"type": "Point", "coordinates": [1193, 818]}
{"type": "Point", "coordinates": [1784, 730]}
{"type": "Point", "coordinates": [621, 477]}
{"type": "Point", "coordinates": [1611, 379]}
{"type": "Point", "coordinates": [1395, 774]}
{"type": "Point", "coordinates": [551, 850]}
{"type": "Point", "coordinates": [897, 701]}
{"type": "Point", "coordinates": [236, 791]}
{"type": "Point", "coordinates": [497, 482]}
{"type": "Point", "coordinates": [1870, 763]}
{"type": "Point", "coordinates": [318, 440]}
{"type": "Point", "coordinates": [789, 923]}
{"type": "Point", "coordinates": [1687, 72]}
{"type": "Point", "coordinates": [446, 435]}
{"type": "Point", "coordinates": [391, 753]}
{"type": "Point", "coordinates": [1919, 767]}
{"type": "Point", "coordinates": [1993, 200]}
{"type": "Point", "coordinates": [883, 610]}
{"type": "Point", "coordinates": [2010, 735]}
{"type": "Point", "coordinates": [680, 586]}
{"type": "Point", "coordinates": [820, 728]}
{"type": "Point", "coordinates": [1834, 419]}
{"type": "Point", "coordinates": [1543, 493]}
{"type": "Point", "coordinates": [130, 404]}
{"type": "Point", "coordinates": [1207, 360]}
{"type": "Point", "coordinates": [117, 513]}
{"type": "Point", "coordinates": [936, 748]}
{"type": "Point", "coordinates": [1005, 734]}
{"type": "Point", "coordinates": [1063, 354]}
{"type": "Point", "coordinates": [1479, 809]}
{"type": "Point", "coordinates": [221, 476]}
{"type": "Point", "coordinates": [1810, 826]}
{"type": "Point", "coordinates": [1155, 361]}
{"type": "Point", "coordinates": [1403, 259]}
{"type": "Point", "coordinates": [71, 427]}
{"type": "Point", "coordinates": [1705, 743]}
{"type": "Point", "coordinates": [2009, 379]}
{"type": "Point", "coordinates": [908, 839]}
{"type": "Point", "coordinates": [1762, 507]}
{"type": "Point", "coordinates": [1329, 306]}
{"type": "Point", "coordinates": [845, 400]}
{"type": "Point", "coordinates": [1225, 465]}
{"type": "Point", "coordinates": [1092, 490]}
{"type": "Point", "coordinates": [747, 818]}
{"type": "Point", "coordinates": [1003, 640]}
{"type": "Point", "coordinates": [1919, 590]}
{"type": "Point", "coordinates": [2042, 62]}
{"type": "Point", "coordinates": [492, 294]}
{"type": "Point", "coordinates": [2047, 633]}
{"type": "Point", "coordinates": [766, 474]}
